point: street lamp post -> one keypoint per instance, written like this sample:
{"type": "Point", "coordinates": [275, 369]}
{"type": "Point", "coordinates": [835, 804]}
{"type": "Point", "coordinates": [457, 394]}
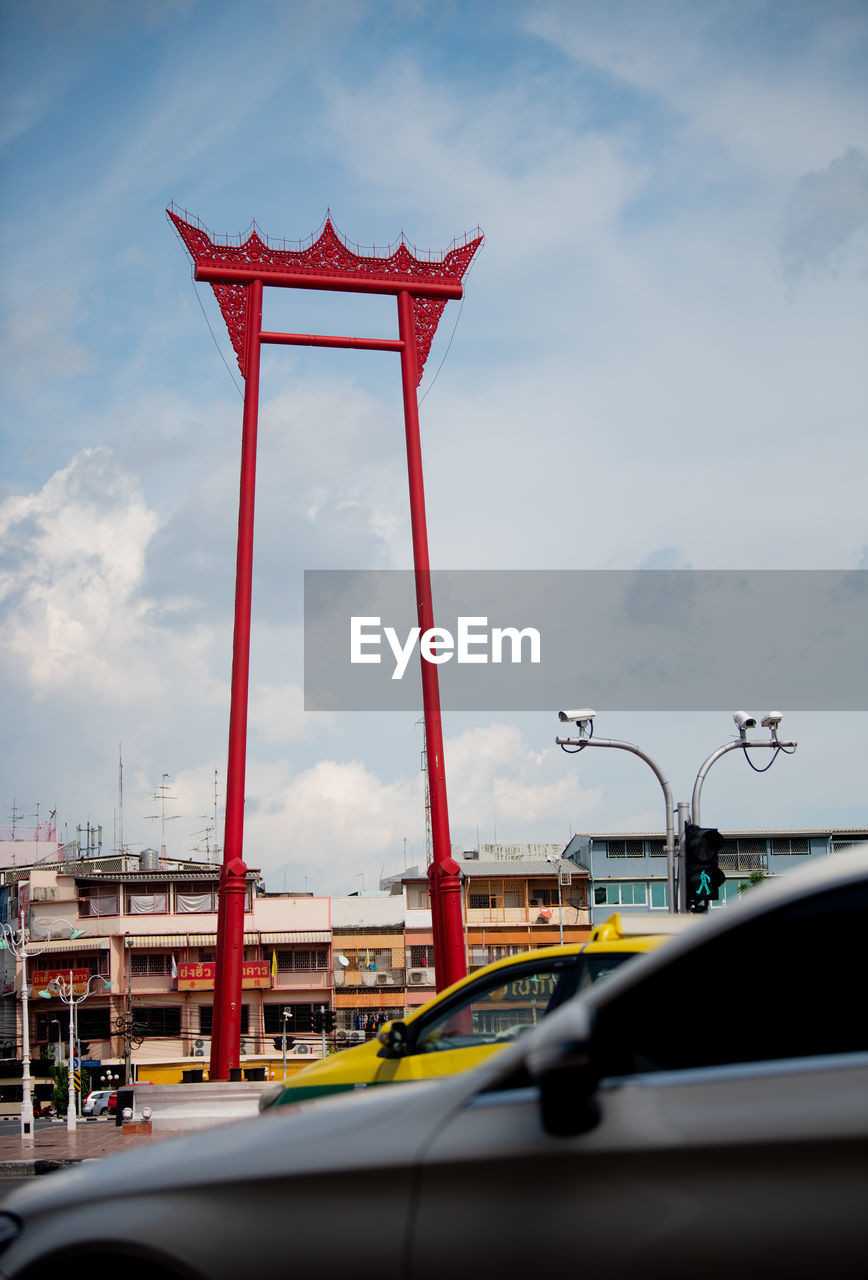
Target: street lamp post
{"type": "Point", "coordinates": [18, 942]}
{"type": "Point", "coordinates": [65, 991]}
{"type": "Point", "coordinates": [287, 1014]}
{"type": "Point", "coordinates": [584, 721]}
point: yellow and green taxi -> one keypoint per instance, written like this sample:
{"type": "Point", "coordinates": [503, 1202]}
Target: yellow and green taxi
{"type": "Point", "coordinates": [479, 1014]}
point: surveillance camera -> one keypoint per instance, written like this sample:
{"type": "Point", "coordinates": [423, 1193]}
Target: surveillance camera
{"type": "Point", "coordinates": [744, 721]}
{"type": "Point", "coordinates": [772, 720]}
{"type": "Point", "coordinates": [584, 713]}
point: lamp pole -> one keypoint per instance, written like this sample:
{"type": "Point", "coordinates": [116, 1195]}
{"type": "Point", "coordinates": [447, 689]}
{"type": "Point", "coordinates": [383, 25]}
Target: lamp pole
{"type": "Point", "coordinates": [17, 941]}
{"type": "Point", "coordinates": [584, 722]}
{"type": "Point", "coordinates": [64, 989]}
{"type": "Point", "coordinates": [287, 1014]}
{"type": "Point", "coordinates": [26, 1091]}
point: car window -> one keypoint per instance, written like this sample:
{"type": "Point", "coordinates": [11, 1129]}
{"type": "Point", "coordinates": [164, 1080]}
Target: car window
{"type": "Point", "coordinates": [788, 984]}
{"type": "Point", "coordinates": [496, 1010]}
{"type": "Point", "coordinates": [594, 967]}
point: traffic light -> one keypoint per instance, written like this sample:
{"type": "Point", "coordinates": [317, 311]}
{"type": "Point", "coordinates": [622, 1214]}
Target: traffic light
{"type": "Point", "coordinates": [702, 875]}
{"type": "Point", "coordinates": [278, 1042]}
{"type": "Point", "coordinates": [316, 1019]}
{"type": "Point", "coordinates": [328, 1019]}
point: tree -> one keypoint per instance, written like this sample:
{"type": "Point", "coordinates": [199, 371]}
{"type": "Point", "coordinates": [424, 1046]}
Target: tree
{"type": "Point", "coordinates": [755, 877]}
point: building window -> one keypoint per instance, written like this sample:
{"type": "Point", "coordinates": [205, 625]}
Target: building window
{"type": "Point", "coordinates": [481, 954]}
{"type": "Point", "coordinates": [744, 854]}
{"type": "Point", "coordinates": [840, 844]}
{"type": "Point", "coordinates": [659, 893]}
{"type": "Point", "coordinates": [151, 963]}
{"type": "Point", "coordinates": [657, 848]}
{"type": "Point", "coordinates": [98, 900]}
{"type": "Point", "coordinates": [60, 963]}
{"type": "Point", "coordinates": [372, 958]}
{"type": "Point", "coordinates": [301, 1020]}
{"type": "Point", "coordinates": [195, 900]}
{"type": "Point", "coordinates": [367, 1022]}
{"type": "Point", "coordinates": [146, 900]}
{"type": "Point", "coordinates": [626, 893]}
{"type": "Point", "coordinates": [495, 895]}
{"type": "Point", "coordinates": [300, 960]}
{"type": "Point", "coordinates": [791, 846]}
{"type": "Point", "coordinates": [161, 1021]}
{"type": "Point", "coordinates": [421, 957]}
{"type": "Point", "coordinates": [206, 1019]}
{"type": "Point", "coordinates": [625, 848]}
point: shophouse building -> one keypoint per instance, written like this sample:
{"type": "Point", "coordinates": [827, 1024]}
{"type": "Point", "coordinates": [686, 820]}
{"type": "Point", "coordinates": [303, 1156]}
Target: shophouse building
{"type": "Point", "coordinates": [514, 898]}
{"type": "Point", "coordinates": [370, 963]}
{"type": "Point", "coordinates": [149, 926]}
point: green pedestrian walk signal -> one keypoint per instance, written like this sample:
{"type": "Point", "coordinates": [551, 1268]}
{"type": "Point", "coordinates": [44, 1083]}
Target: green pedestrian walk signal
{"type": "Point", "coordinates": [702, 874]}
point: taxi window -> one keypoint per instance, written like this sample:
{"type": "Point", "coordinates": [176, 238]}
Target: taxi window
{"type": "Point", "coordinates": [499, 1009]}
{"type": "Point", "coordinates": [595, 967]}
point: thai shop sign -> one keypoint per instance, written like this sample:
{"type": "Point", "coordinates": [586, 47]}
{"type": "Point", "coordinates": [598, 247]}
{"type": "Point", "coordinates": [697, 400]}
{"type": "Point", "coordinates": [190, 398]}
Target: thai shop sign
{"type": "Point", "coordinates": [200, 977]}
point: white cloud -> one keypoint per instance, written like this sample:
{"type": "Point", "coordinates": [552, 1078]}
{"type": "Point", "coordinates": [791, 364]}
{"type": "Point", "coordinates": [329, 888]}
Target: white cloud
{"type": "Point", "coordinates": [827, 218]}
{"type": "Point", "coordinates": [75, 619]}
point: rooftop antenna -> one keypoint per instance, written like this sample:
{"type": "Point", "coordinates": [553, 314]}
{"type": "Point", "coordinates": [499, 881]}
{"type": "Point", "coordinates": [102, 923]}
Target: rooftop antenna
{"type": "Point", "coordinates": [429, 843]}
{"type": "Point", "coordinates": [161, 795]}
{"type": "Point", "coordinates": [120, 832]}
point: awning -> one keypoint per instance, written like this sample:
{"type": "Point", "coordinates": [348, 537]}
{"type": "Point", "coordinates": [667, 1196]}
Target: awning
{"type": "Point", "coordinates": [157, 940]}
{"type": "Point", "coordinates": [69, 944]}
{"type": "Point", "coordinates": [321, 935]}
{"type": "Point", "coordinates": [183, 940]}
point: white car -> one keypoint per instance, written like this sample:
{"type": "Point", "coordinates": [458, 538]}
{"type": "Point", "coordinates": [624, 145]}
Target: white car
{"type": "Point", "coordinates": [96, 1103]}
{"type": "Point", "coordinates": [702, 1112]}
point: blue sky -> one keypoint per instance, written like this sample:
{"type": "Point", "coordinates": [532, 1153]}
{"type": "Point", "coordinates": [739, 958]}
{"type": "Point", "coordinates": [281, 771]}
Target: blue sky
{"type": "Point", "coordinates": [659, 362]}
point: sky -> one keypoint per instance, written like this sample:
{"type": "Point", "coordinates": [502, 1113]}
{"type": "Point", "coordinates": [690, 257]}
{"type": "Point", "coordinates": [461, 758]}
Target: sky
{"type": "Point", "coordinates": [659, 362]}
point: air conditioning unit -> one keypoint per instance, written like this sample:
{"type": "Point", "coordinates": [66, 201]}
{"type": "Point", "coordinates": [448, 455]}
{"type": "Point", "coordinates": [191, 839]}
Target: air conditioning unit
{"type": "Point", "coordinates": [199, 1048]}
{"type": "Point", "coordinates": [421, 978]}
{"type": "Point", "coordinates": [385, 979]}
{"type": "Point", "coordinates": [302, 1049]}
{"type": "Point", "coordinates": [340, 977]}
{"type": "Point", "coordinates": [340, 1035]}
{"type": "Point", "coordinates": [245, 1046]}
{"type": "Point", "coordinates": [356, 1036]}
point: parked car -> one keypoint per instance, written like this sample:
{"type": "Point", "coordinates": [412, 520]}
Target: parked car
{"type": "Point", "coordinates": [480, 1014]}
{"type": "Point", "coordinates": [702, 1111]}
{"type": "Point", "coordinates": [97, 1102]}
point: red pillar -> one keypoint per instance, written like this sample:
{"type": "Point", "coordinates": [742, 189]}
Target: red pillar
{"type": "Point", "coordinates": [226, 1033]}
{"type": "Point", "coordinates": [443, 878]}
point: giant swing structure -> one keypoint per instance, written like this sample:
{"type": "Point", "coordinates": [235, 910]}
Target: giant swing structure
{"type": "Point", "coordinates": [238, 270]}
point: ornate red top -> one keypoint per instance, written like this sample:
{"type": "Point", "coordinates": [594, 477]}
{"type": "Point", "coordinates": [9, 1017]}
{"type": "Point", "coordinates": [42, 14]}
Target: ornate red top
{"type": "Point", "coordinates": [327, 262]}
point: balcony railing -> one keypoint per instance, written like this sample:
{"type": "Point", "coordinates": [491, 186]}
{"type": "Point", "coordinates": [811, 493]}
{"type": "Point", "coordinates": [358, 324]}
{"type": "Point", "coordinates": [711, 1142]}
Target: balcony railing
{"type": "Point", "coordinates": [370, 979]}
{"type": "Point", "coordinates": [301, 978]}
{"type": "Point", "coordinates": [743, 861]}
{"type": "Point", "coordinates": [527, 915]}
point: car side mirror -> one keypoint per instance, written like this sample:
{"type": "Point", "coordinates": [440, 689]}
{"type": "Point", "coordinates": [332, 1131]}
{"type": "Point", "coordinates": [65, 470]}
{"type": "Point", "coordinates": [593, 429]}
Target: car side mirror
{"type": "Point", "coordinates": [560, 1061]}
{"type": "Point", "coordinates": [393, 1036]}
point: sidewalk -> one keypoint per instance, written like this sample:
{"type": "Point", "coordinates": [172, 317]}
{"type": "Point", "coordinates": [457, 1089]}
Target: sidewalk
{"type": "Point", "coordinates": [54, 1147]}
